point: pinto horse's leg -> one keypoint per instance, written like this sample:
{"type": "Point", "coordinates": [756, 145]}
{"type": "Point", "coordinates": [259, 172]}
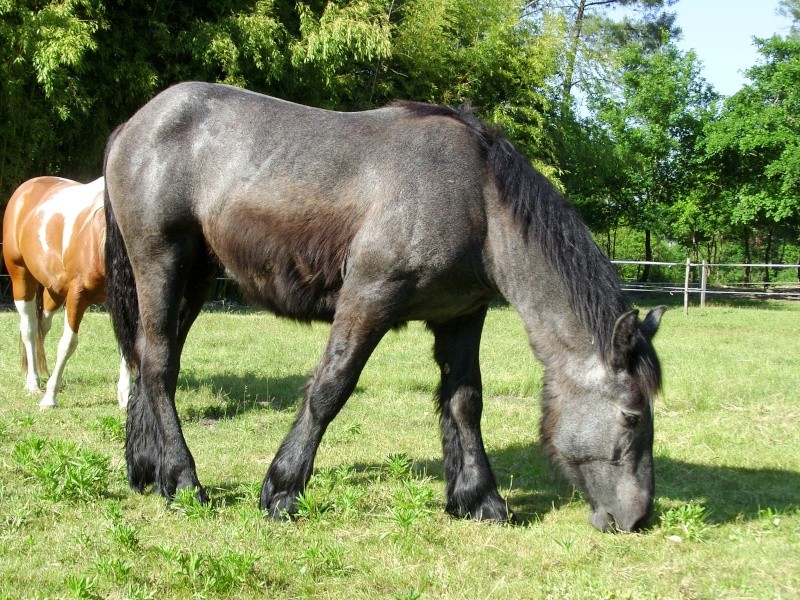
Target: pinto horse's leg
{"type": "Point", "coordinates": [74, 310]}
{"type": "Point", "coordinates": [471, 487]}
{"type": "Point", "coordinates": [123, 384]}
{"type": "Point", "coordinates": [170, 300]}
{"type": "Point", "coordinates": [359, 325]}
{"type": "Point", "coordinates": [28, 327]}
{"type": "Point", "coordinates": [66, 346]}
{"type": "Point", "coordinates": [50, 304]}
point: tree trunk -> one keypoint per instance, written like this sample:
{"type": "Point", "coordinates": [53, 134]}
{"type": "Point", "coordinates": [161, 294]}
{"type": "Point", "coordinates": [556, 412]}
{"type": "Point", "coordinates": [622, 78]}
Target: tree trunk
{"type": "Point", "coordinates": [648, 255]}
{"type": "Point", "coordinates": [768, 256]}
{"type": "Point", "coordinates": [572, 53]}
{"type": "Point", "coordinates": [747, 260]}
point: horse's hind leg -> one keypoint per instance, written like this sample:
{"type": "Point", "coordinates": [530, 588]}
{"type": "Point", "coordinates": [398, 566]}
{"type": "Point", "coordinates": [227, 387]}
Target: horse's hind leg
{"type": "Point", "coordinates": [357, 328]}
{"type": "Point", "coordinates": [24, 290]}
{"type": "Point", "coordinates": [471, 487]}
{"type": "Point", "coordinates": [170, 299]}
{"type": "Point", "coordinates": [28, 330]}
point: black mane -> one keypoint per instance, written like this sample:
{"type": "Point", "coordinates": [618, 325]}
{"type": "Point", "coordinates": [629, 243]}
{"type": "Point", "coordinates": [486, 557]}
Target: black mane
{"type": "Point", "coordinates": [549, 221]}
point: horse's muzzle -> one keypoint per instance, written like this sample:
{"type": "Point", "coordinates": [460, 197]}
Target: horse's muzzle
{"type": "Point", "coordinates": [628, 521]}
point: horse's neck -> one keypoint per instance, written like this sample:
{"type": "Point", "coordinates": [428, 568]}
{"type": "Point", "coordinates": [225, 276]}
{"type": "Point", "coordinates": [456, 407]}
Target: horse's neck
{"type": "Point", "coordinates": [533, 288]}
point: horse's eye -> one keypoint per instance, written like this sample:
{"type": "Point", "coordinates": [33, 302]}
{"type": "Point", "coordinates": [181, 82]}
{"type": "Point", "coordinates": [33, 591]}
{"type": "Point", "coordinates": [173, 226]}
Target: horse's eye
{"type": "Point", "coordinates": [632, 419]}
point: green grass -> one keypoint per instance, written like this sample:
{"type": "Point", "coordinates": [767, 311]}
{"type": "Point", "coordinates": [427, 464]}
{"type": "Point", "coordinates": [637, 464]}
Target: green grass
{"type": "Point", "coordinates": [372, 521]}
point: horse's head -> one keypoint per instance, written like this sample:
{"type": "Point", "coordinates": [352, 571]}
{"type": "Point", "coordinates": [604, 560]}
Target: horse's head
{"type": "Point", "coordinates": [597, 424]}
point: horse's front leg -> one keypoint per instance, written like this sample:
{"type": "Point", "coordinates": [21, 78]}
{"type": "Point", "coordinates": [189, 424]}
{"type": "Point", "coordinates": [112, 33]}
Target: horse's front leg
{"type": "Point", "coordinates": [471, 487]}
{"type": "Point", "coordinates": [356, 330]}
{"type": "Point", "coordinates": [73, 315]}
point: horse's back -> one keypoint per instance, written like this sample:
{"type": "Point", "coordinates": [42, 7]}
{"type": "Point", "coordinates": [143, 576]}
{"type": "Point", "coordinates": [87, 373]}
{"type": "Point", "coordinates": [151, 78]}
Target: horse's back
{"type": "Point", "coordinates": [291, 198]}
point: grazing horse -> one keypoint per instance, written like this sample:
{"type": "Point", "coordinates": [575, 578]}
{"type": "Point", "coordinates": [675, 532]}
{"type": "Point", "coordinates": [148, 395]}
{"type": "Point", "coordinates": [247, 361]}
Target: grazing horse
{"type": "Point", "coordinates": [53, 236]}
{"type": "Point", "coordinates": [369, 220]}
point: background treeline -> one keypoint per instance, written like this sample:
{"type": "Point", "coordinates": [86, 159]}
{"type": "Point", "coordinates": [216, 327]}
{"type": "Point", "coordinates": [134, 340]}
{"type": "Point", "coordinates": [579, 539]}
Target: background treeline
{"type": "Point", "coordinates": [596, 93]}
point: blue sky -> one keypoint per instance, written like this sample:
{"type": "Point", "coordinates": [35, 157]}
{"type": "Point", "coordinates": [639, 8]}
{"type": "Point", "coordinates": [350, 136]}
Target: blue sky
{"type": "Point", "coordinates": [721, 33]}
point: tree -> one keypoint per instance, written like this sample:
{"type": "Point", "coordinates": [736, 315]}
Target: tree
{"type": "Point", "coordinates": [656, 120]}
{"type": "Point", "coordinates": [42, 51]}
{"type": "Point", "coordinates": [592, 37]}
{"type": "Point", "coordinates": [756, 145]}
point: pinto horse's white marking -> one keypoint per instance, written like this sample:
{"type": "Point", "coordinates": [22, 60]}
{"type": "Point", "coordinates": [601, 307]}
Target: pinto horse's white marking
{"type": "Point", "coordinates": [68, 203]}
{"type": "Point", "coordinates": [66, 346]}
{"type": "Point", "coordinates": [27, 330]}
{"type": "Point", "coordinates": [53, 234]}
{"type": "Point", "coordinates": [123, 384]}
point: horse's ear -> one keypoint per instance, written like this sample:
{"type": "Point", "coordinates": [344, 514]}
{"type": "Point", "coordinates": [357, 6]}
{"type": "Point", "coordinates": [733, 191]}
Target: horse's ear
{"type": "Point", "coordinates": [651, 321]}
{"type": "Point", "coordinates": [624, 338]}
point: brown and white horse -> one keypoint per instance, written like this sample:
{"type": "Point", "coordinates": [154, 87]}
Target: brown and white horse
{"type": "Point", "coordinates": [53, 238]}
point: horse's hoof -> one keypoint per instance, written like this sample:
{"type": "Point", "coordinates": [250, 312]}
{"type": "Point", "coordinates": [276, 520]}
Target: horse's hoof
{"type": "Point", "coordinates": [47, 404]}
{"type": "Point", "coordinates": [492, 508]}
{"type": "Point", "coordinates": [277, 506]}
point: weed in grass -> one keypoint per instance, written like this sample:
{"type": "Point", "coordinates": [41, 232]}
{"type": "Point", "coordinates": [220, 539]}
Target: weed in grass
{"type": "Point", "coordinates": [249, 493]}
{"type": "Point", "coordinates": [398, 464]}
{"type": "Point", "coordinates": [312, 506]}
{"type": "Point", "coordinates": [113, 568]}
{"type": "Point", "coordinates": [219, 574]}
{"type": "Point", "coordinates": [186, 502]}
{"type": "Point", "coordinates": [347, 434]}
{"type": "Point", "coordinates": [328, 478]}
{"type": "Point", "coordinates": [124, 534]}
{"type": "Point", "coordinates": [322, 559]}
{"type": "Point", "coordinates": [168, 553]}
{"type": "Point", "coordinates": [14, 521]}
{"type": "Point", "coordinates": [412, 502]}
{"type": "Point", "coordinates": [408, 595]}
{"type": "Point", "coordinates": [138, 591]}
{"type": "Point", "coordinates": [567, 543]}
{"type": "Point", "coordinates": [348, 499]}
{"type": "Point", "coordinates": [23, 422]}
{"type": "Point", "coordinates": [688, 521]}
{"type": "Point", "coordinates": [770, 515]}
{"type": "Point", "coordinates": [83, 588]}
{"type": "Point", "coordinates": [64, 470]}
{"type": "Point", "coordinates": [110, 427]}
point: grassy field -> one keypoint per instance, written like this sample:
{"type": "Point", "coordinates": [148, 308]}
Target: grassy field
{"type": "Point", "coordinates": [372, 523]}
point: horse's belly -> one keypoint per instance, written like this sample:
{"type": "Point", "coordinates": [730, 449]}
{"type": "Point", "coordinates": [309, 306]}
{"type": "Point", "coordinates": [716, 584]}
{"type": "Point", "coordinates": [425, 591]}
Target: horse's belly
{"type": "Point", "coordinates": [288, 294]}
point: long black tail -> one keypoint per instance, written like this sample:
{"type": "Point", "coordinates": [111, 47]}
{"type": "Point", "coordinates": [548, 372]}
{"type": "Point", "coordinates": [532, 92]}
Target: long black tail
{"type": "Point", "coordinates": [121, 299]}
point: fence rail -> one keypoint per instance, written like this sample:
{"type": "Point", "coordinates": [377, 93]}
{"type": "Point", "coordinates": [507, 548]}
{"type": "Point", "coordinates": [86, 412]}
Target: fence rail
{"type": "Point", "coordinates": [755, 289]}
{"type": "Point", "coordinates": [769, 289]}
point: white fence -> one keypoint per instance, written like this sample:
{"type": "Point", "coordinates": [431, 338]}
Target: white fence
{"type": "Point", "coordinates": [699, 284]}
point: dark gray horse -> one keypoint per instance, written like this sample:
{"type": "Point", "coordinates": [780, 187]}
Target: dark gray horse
{"type": "Point", "coordinates": [369, 220]}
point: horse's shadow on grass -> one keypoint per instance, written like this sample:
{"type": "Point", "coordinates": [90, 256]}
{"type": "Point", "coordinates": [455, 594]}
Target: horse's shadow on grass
{"type": "Point", "coordinates": [237, 393]}
{"type": "Point", "coordinates": [729, 494]}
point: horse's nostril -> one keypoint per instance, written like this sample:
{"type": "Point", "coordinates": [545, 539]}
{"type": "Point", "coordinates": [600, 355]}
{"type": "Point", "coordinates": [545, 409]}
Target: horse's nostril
{"type": "Point", "coordinates": [602, 520]}
{"type": "Point", "coordinates": [641, 523]}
